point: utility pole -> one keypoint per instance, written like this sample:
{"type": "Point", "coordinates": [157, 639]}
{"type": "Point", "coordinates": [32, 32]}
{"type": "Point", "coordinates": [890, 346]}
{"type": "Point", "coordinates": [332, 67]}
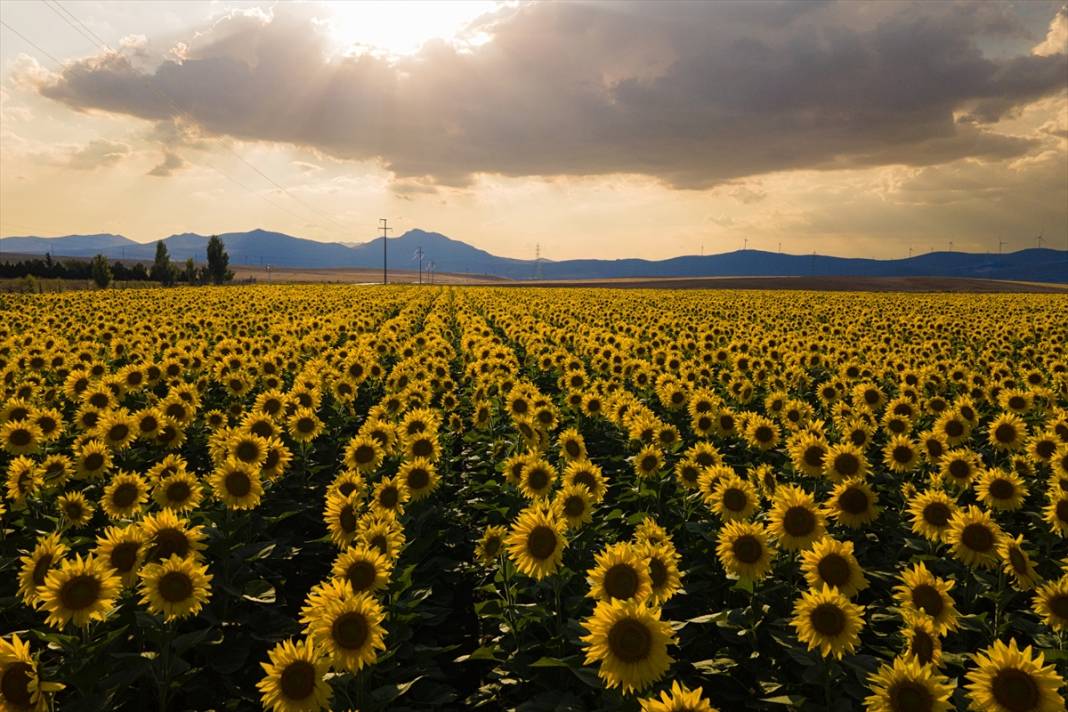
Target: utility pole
{"type": "Point", "coordinates": [951, 245]}
{"type": "Point", "coordinates": [537, 261]}
{"type": "Point", "coordinates": [745, 244]}
{"type": "Point", "coordinates": [910, 252]}
{"type": "Point", "coordinates": [385, 230]}
{"type": "Point", "coordinates": [780, 248]}
{"type": "Point", "coordinates": [419, 256]}
{"type": "Point", "coordinates": [1001, 244]}
{"type": "Point", "coordinates": [1040, 240]}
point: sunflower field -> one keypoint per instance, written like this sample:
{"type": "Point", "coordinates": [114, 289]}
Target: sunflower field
{"type": "Point", "coordinates": [398, 498]}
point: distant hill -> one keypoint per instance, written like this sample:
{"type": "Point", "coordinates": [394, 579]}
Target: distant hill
{"type": "Point", "coordinates": [263, 247]}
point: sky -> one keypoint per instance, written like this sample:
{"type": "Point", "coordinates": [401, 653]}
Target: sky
{"type": "Point", "coordinates": [580, 129]}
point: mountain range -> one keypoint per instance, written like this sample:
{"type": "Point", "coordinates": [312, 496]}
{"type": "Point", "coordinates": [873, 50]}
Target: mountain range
{"type": "Point", "coordinates": [263, 247]}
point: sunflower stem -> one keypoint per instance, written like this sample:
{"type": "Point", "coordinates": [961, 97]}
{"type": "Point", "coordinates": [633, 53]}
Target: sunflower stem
{"type": "Point", "coordinates": [997, 602]}
{"type": "Point", "coordinates": [164, 681]}
{"type": "Point", "coordinates": [509, 607]}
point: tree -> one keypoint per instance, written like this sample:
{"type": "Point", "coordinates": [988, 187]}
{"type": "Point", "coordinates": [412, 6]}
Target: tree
{"type": "Point", "coordinates": [218, 261]}
{"type": "Point", "coordinates": [189, 274]}
{"type": "Point", "coordinates": [100, 269]}
{"type": "Point", "coordinates": [162, 271]}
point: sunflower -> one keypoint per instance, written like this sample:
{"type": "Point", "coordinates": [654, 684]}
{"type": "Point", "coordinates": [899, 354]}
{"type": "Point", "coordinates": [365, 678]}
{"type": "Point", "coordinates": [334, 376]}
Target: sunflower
{"type": "Point", "coordinates": [959, 467]}
{"type": "Point", "coordinates": [1001, 490]}
{"type": "Point", "coordinates": [743, 549]}
{"type": "Point", "coordinates": [48, 553]}
{"type": "Point", "coordinates": [922, 642]}
{"type": "Point", "coordinates": [295, 678]}
{"type": "Point", "coordinates": [1007, 432]}
{"type": "Point", "coordinates": [248, 449]}
{"type": "Point", "coordinates": [536, 478]}
{"type": "Point", "coordinates": [419, 476]}
{"type": "Point", "coordinates": [761, 433]}
{"type": "Point", "coordinates": [679, 699]}
{"type": "Point", "coordinates": [619, 573]}
{"type": "Point", "coordinates": [901, 455]}
{"type": "Point", "coordinates": [116, 429]}
{"type": "Point", "coordinates": [954, 428]}
{"type": "Point", "coordinates": [933, 446]}
{"type": "Point", "coordinates": [630, 642]}
{"type": "Point", "coordinates": [650, 532]}
{"type": "Point", "coordinates": [931, 512]}
{"type": "Point", "coordinates": [304, 426]}
{"type": "Point", "coordinates": [175, 588]}
{"type": "Point", "coordinates": [93, 460]}
{"type": "Point", "coordinates": [1017, 562]}
{"type": "Point", "coordinates": [20, 437]}
{"type": "Point", "coordinates": [974, 538]}
{"type": "Point", "coordinates": [365, 568]}
{"type": "Point", "coordinates": [575, 504]}
{"type": "Point", "coordinates": [491, 544]}
{"type": "Point", "coordinates": [349, 630]}
{"type": "Point", "coordinates": [1051, 603]}
{"type": "Point", "coordinates": [664, 575]}
{"type": "Point", "coordinates": [57, 470]}
{"type": "Point", "coordinates": [1008, 679]}
{"type": "Point", "coordinates": [908, 686]}
{"type": "Point", "coordinates": [687, 472]}
{"type": "Point", "coordinates": [21, 688]}
{"type": "Point", "coordinates": [709, 479]}
{"type": "Point", "coordinates": [733, 498]}
{"type": "Point", "coordinates": [826, 619]}
{"type": "Point", "coordinates": [348, 483]}
{"type": "Point", "coordinates": [340, 516]}
{"type": "Point", "coordinates": [278, 458]}
{"type": "Point", "coordinates": [808, 452]}
{"type": "Point", "coordinates": [80, 590]}
{"type": "Point", "coordinates": [587, 474]}
{"type": "Point", "coordinates": [124, 495]}
{"type": "Point", "coordinates": [536, 542]}
{"type": "Point", "coordinates": [382, 533]}
{"type": "Point", "coordinates": [795, 521]}
{"type": "Point", "coordinates": [147, 424]}
{"type": "Point", "coordinates": [180, 492]}
{"type": "Point", "coordinates": [422, 445]}
{"type": "Point", "coordinates": [1056, 514]}
{"type": "Point", "coordinates": [852, 503]}
{"type": "Point", "coordinates": [648, 461]}
{"type": "Point", "coordinates": [75, 508]}
{"type": "Point", "coordinates": [364, 453]}
{"type": "Point", "coordinates": [50, 421]}
{"type": "Point", "coordinates": [122, 549]}
{"type": "Point", "coordinates": [24, 477]}
{"type": "Point", "coordinates": [572, 445]}
{"type": "Point", "coordinates": [237, 484]}
{"type": "Point", "coordinates": [922, 592]}
{"type": "Point", "coordinates": [831, 563]}
{"type": "Point", "coordinates": [844, 461]}
{"type": "Point", "coordinates": [167, 534]}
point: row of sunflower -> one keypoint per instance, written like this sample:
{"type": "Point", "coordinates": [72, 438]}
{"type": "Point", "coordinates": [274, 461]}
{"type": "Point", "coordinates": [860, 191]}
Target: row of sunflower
{"type": "Point", "coordinates": [581, 499]}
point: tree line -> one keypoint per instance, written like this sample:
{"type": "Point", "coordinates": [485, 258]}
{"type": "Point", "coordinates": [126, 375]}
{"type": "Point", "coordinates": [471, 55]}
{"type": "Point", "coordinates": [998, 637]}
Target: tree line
{"type": "Point", "coordinates": [103, 271]}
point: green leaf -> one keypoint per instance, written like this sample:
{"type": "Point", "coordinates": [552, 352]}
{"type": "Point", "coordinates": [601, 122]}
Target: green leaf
{"type": "Point", "coordinates": [548, 662]}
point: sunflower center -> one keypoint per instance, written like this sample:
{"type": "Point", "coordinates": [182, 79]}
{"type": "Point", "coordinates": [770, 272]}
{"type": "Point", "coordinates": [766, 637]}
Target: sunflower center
{"type": "Point", "coordinates": [347, 518]}
{"type": "Point", "coordinates": [238, 483]}
{"type": "Point", "coordinates": [630, 640]}
{"type": "Point", "coordinates": [959, 469]}
{"type": "Point", "coordinates": [813, 456]}
{"type": "Point", "coordinates": [954, 428]}
{"type": "Point", "coordinates": [418, 478]}
{"type": "Point", "coordinates": [853, 501]}
{"type": "Point", "coordinates": [977, 537]}
{"type": "Point", "coordinates": [572, 448]}
{"type": "Point", "coordinates": [928, 599]}
{"type": "Point", "coordinates": [1016, 690]}
{"type": "Point", "coordinates": [169, 542]}
{"type": "Point", "coordinates": [389, 497]}
{"type": "Point", "coordinates": [936, 514]}
{"type": "Point", "coordinates": [74, 510]}
{"type": "Point", "coordinates": [799, 521]}
{"type": "Point", "coordinates": [124, 556]}
{"type": "Point", "coordinates": [350, 630]}
{"type": "Point", "coordinates": [15, 685]}
{"type": "Point", "coordinates": [735, 500]}
{"type": "Point", "coordinates": [574, 506]}
{"type": "Point", "coordinates": [178, 491]}
{"type": "Point", "coordinates": [541, 542]}
{"type": "Point", "coordinates": [586, 479]}
{"type": "Point", "coordinates": [298, 680]}
{"type": "Point", "coordinates": [847, 464]}
{"type": "Point", "coordinates": [1018, 560]}
{"type": "Point", "coordinates": [175, 586]}
{"type": "Point", "coordinates": [909, 696]}
{"type": "Point", "coordinates": [922, 646]}
{"type": "Point", "coordinates": [94, 461]}
{"type": "Point", "coordinates": [79, 592]}
{"type": "Point", "coordinates": [40, 569]}
{"type": "Point", "coordinates": [621, 581]}
{"type": "Point", "coordinates": [20, 437]}
{"type": "Point", "coordinates": [1005, 433]}
{"type": "Point", "coordinates": [537, 479]}
{"type": "Point", "coordinates": [361, 575]}
{"type": "Point", "coordinates": [247, 451]}
{"type": "Point", "coordinates": [902, 454]}
{"type": "Point", "coordinates": [747, 549]}
{"type": "Point", "coordinates": [305, 425]}
{"type": "Point", "coordinates": [1002, 489]}
{"type": "Point", "coordinates": [1059, 605]}
{"type": "Point", "coordinates": [834, 570]}
{"type": "Point", "coordinates": [380, 542]}
{"type": "Point", "coordinates": [492, 546]}
{"type": "Point", "coordinates": [649, 463]}
{"type": "Point", "coordinates": [118, 432]}
{"type": "Point", "coordinates": [124, 495]}
{"type": "Point", "coordinates": [364, 454]}
{"type": "Point", "coordinates": [763, 434]}
{"type": "Point", "coordinates": [828, 619]}
{"type": "Point", "coordinates": [422, 448]}
{"type": "Point", "coordinates": [1062, 510]}
{"type": "Point", "coordinates": [657, 572]}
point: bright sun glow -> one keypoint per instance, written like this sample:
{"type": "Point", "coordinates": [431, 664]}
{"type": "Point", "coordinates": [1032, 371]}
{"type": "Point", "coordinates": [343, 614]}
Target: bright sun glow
{"type": "Point", "coordinates": [401, 27]}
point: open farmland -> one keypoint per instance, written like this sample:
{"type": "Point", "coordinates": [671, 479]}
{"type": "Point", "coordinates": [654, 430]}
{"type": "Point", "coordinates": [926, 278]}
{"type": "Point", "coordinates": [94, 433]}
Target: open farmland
{"type": "Point", "coordinates": [366, 497]}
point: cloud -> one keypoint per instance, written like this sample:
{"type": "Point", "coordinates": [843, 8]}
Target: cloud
{"type": "Point", "coordinates": [171, 163]}
{"type": "Point", "coordinates": [695, 94]}
{"type": "Point", "coordinates": [98, 153]}
{"type": "Point", "coordinates": [1056, 41]}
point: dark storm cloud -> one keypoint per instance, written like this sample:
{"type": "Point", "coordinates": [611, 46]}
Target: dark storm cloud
{"type": "Point", "coordinates": [696, 94]}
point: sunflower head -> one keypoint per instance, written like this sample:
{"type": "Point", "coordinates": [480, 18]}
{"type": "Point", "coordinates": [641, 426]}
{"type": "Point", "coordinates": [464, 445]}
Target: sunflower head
{"type": "Point", "coordinates": [827, 620]}
{"type": "Point", "coordinates": [630, 642]}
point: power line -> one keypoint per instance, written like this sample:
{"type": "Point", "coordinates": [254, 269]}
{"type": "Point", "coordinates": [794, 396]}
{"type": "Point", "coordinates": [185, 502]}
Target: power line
{"type": "Point", "coordinates": [67, 16]}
